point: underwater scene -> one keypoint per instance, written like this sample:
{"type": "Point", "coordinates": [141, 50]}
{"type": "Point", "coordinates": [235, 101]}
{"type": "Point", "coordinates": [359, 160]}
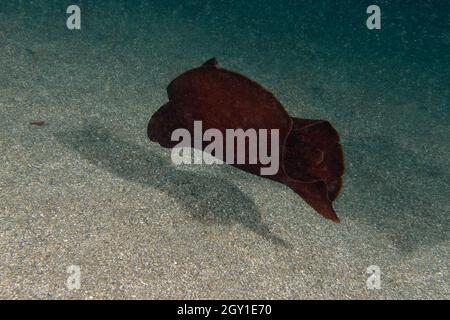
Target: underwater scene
{"type": "Point", "coordinates": [202, 149]}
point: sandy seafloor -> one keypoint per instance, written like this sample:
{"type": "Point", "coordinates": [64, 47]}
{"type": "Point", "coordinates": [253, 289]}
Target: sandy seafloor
{"type": "Point", "coordinates": [90, 189]}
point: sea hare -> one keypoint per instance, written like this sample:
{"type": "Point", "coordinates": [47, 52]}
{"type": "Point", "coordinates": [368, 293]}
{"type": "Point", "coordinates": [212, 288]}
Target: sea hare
{"type": "Point", "coordinates": [310, 155]}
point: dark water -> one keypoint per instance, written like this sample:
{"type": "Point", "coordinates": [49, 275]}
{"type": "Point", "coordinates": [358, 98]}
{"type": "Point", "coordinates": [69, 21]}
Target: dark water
{"type": "Point", "coordinates": [411, 49]}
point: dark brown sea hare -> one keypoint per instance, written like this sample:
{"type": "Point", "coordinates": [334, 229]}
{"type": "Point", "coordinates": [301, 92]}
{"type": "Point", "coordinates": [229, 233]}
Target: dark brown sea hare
{"type": "Point", "coordinates": [311, 158]}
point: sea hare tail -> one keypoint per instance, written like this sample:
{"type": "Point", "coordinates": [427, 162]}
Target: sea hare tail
{"type": "Point", "coordinates": [316, 195]}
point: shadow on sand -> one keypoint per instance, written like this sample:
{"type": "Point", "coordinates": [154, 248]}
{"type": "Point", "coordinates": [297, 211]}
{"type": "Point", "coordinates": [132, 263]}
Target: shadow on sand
{"type": "Point", "coordinates": [208, 199]}
{"type": "Point", "coordinates": [397, 191]}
